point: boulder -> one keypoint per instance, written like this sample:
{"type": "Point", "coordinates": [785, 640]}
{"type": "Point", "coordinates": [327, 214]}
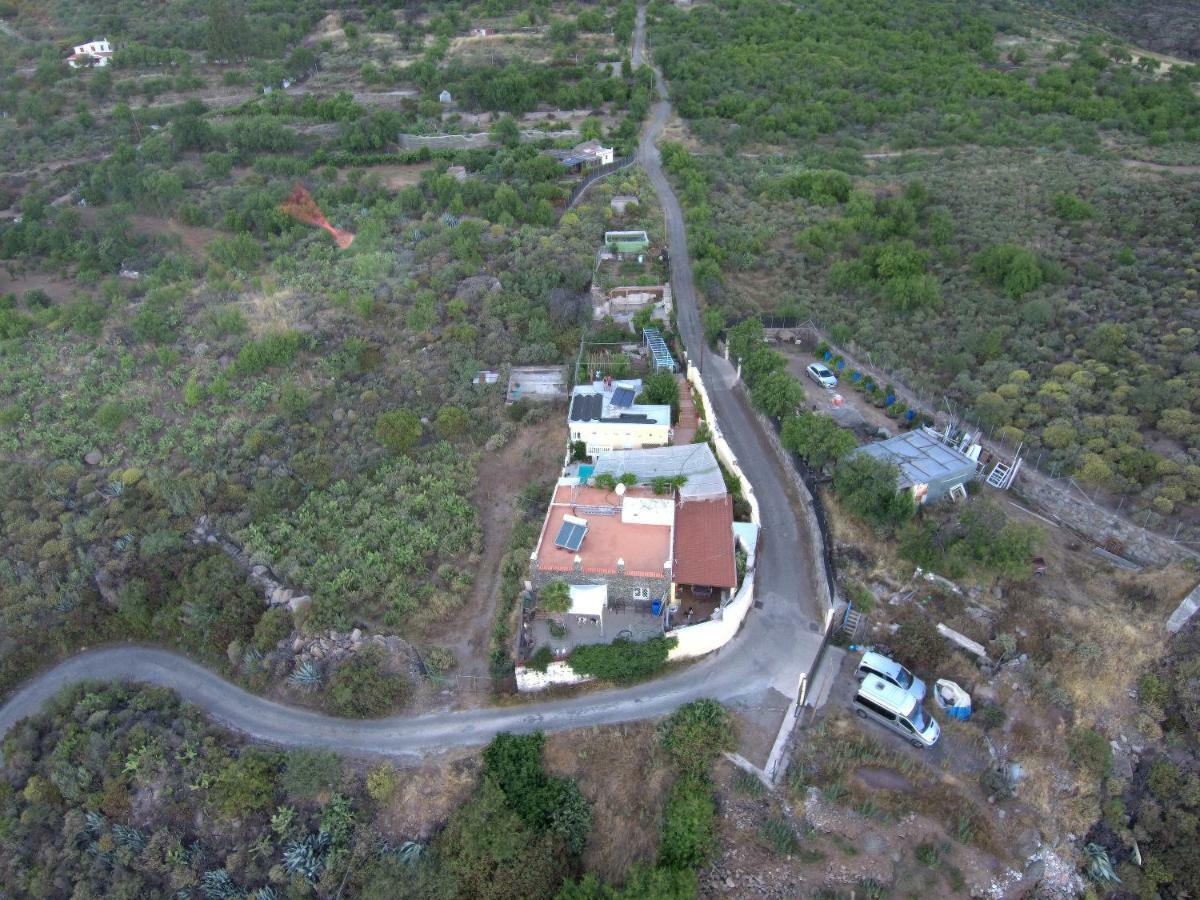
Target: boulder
{"type": "Point", "coordinates": [92, 457]}
{"type": "Point", "coordinates": [296, 602]}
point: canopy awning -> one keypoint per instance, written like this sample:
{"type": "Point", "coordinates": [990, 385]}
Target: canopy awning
{"type": "Point", "coordinates": [588, 599]}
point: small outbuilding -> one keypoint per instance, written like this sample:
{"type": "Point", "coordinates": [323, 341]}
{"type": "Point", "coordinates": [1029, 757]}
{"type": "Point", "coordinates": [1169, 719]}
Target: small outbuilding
{"type": "Point", "coordinates": [928, 467]}
{"type": "Point", "coordinates": [622, 202]}
{"type": "Point", "coordinates": [444, 97]}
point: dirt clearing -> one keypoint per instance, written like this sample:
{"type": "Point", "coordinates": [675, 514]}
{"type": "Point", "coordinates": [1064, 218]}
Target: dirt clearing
{"type": "Point", "coordinates": [533, 454]}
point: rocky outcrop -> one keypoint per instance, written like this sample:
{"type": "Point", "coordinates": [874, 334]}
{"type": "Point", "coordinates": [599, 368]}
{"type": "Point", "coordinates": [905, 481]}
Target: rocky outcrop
{"type": "Point", "coordinates": [333, 646]}
{"type": "Point", "coordinates": [273, 590]}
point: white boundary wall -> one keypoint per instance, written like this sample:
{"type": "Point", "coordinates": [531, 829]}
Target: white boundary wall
{"type": "Point", "coordinates": [556, 673]}
{"type": "Point", "coordinates": [724, 451]}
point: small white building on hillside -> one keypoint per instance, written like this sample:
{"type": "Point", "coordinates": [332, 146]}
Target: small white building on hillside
{"type": "Point", "coordinates": [95, 53]}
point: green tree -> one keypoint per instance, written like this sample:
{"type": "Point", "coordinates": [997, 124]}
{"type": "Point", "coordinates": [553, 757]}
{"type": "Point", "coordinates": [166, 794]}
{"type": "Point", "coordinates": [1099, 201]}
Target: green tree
{"type": "Point", "coordinates": [689, 825]}
{"type": "Point", "coordinates": [307, 773]}
{"type": "Point", "coordinates": [817, 439]}
{"type": "Point", "coordinates": [661, 389]}
{"type": "Point", "coordinates": [398, 430]}
{"type": "Point", "coordinates": [452, 423]}
{"type": "Point", "coordinates": [506, 132]}
{"type": "Point", "coordinates": [777, 394]}
{"type": "Point", "coordinates": [246, 784]}
{"type": "Point", "coordinates": [491, 853]}
{"type": "Point", "coordinates": [226, 33]}
{"type": "Point", "coordinates": [641, 883]}
{"type": "Point", "coordinates": [714, 322]}
{"type": "Point", "coordinates": [623, 660]}
{"type": "Point", "coordinates": [362, 687]}
{"type": "Point", "coordinates": [868, 487]}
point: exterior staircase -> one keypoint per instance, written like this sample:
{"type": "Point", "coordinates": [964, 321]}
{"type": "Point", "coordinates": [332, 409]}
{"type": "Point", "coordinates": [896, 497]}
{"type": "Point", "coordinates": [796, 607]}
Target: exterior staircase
{"type": "Point", "coordinates": [852, 623]}
{"type": "Point", "coordinates": [685, 428]}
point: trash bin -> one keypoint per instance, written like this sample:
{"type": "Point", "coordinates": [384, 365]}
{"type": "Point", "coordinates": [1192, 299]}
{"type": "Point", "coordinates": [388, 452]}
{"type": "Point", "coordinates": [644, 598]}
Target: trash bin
{"type": "Point", "coordinates": [656, 607]}
{"type": "Point", "coordinates": [953, 699]}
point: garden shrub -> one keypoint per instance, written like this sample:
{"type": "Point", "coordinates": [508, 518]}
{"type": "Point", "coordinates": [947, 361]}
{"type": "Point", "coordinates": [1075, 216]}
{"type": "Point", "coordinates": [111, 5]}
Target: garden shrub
{"type": "Point", "coordinates": [270, 351]}
{"type": "Point", "coordinates": [362, 688]}
{"type": "Point", "coordinates": [623, 660]}
{"type": "Point", "coordinates": [689, 825]}
{"type": "Point", "coordinates": [695, 735]}
{"type": "Point", "coordinates": [398, 430]}
{"type": "Point", "coordinates": [307, 773]}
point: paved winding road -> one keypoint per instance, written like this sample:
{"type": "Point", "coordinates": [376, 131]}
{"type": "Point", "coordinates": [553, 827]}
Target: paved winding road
{"type": "Point", "coordinates": [775, 648]}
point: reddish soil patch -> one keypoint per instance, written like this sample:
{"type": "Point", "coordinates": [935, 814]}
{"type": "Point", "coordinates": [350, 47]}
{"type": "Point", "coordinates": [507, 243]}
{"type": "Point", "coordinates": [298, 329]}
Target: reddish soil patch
{"type": "Point", "coordinates": [194, 238]}
{"type": "Point", "coordinates": [882, 778]}
{"type": "Point", "coordinates": [56, 288]}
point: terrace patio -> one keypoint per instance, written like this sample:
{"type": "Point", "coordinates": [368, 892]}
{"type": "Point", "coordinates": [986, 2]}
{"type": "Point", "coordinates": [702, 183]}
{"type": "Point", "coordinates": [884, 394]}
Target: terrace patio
{"type": "Point", "coordinates": [633, 621]}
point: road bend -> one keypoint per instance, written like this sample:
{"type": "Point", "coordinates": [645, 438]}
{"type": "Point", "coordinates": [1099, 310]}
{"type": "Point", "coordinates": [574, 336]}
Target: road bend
{"type": "Point", "coordinates": [775, 648]}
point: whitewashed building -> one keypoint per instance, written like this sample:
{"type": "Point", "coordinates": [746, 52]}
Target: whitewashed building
{"type": "Point", "coordinates": [94, 53]}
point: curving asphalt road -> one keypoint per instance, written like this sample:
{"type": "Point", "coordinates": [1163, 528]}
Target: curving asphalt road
{"type": "Point", "coordinates": [776, 647]}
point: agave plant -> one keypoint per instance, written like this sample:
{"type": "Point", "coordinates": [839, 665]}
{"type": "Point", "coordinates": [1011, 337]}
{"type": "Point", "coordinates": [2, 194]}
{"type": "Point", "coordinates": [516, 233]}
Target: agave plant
{"type": "Point", "coordinates": [307, 856]}
{"type": "Point", "coordinates": [266, 892]}
{"type": "Point", "coordinates": [251, 658]}
{"type": "Point", "coordinates": [218, 885]}
{"type": "Point", "coordinates": [130, 838]}
{"type": "Point", "coordinates": [307, 675]}
{"type": "Point", "coordinates": [407, 852]}
{"type": "Point", "coordinates": [123, 543]}
{"type": "Point", "coordinates": [1099, 866]}
{"type": "Point", "coordinates": [96, 821]}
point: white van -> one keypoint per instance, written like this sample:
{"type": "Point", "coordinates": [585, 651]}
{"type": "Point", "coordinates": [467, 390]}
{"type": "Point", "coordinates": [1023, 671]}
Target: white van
{"type": "Point", "coordinates": [895, 708]}
{"type": "Point", "coordinates": [892, 672]}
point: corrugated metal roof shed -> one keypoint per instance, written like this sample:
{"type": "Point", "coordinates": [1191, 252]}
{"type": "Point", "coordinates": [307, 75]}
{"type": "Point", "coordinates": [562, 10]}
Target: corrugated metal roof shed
{"type": "Point", "coordinates": [923, 459]}
{"type": "Point", "coordinates": [695, 461]}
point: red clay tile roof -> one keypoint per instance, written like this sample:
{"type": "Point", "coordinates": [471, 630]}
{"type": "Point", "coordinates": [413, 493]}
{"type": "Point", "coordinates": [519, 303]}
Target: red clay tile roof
{"type": "Point", "coordinates": [644, 548]}
{"type": "Point", "coordinates": [704, 543]}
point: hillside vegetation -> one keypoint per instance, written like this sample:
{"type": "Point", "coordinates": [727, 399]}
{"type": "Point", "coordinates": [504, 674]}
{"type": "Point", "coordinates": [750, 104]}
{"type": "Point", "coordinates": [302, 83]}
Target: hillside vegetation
{"type": "Point", "coordinates": [174, 346]}
{"type": "Point", "coordinates": [963, 214]}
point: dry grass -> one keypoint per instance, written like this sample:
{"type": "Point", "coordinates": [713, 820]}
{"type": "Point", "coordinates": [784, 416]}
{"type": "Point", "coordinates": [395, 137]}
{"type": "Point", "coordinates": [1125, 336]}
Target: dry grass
{"type": "Point", "coordinates": [619, 772]}
{"type": "Point", "coordinates": [270, 310]}
{"type": "Point", "coordinates": [426, 796]}
{"type": "Point", "coordinates": [838, 749]}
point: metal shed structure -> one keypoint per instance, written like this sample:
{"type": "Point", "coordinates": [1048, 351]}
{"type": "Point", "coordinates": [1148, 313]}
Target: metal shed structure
{"type": "Point", "coordinates": [694, 461]}
{"type": "Point", "coordinates": [627, 241]}
{"type": "Point", "coordinates": [663, 360]}
{"type": "Point", "coordinates": [930, 468]}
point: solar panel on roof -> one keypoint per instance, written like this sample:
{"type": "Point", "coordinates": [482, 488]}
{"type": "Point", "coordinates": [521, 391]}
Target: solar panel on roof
{"type": "Point", "coordinates": [622, 397]}
{"type": "Point", "coordinates": [570, 536]}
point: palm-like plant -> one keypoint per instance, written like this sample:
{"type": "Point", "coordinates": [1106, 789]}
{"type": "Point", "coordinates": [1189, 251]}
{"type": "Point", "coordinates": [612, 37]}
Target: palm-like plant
{"type": "Point", "coordinates": [555, 598]}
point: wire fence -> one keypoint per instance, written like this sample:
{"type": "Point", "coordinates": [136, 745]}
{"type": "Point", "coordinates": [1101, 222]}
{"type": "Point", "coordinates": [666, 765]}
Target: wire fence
{"type": "Point", "coordinates": [595, 175]}
{"type": "Point", "coordinates": [1044, 477]}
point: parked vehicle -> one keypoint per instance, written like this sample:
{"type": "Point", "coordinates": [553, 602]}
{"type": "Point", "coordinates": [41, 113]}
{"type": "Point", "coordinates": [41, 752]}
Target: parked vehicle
{"type": "Point", "coordinates": [895, 708]}
{"type": "Point", "coordinates": [892, 672]}
{"type": "Point", "coordinates": [822, 376]}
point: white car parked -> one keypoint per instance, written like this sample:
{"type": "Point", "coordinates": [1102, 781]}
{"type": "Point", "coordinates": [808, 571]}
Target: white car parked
{"type": "Point", "coordinates": [821, 375]}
